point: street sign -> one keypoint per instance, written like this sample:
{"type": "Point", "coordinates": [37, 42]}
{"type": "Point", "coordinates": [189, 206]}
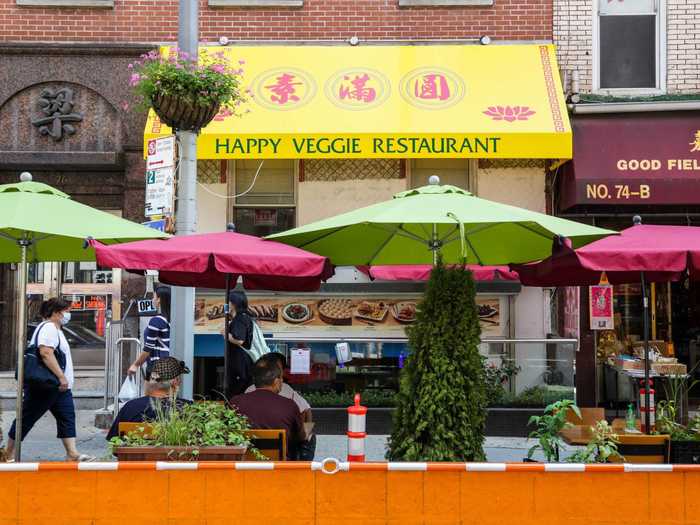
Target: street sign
{"type": "Point", "coordinates": [161, 153]}
{"type": "Point", "coordinates": [146, 307]}
{"type": "Point", "coordinates": [156, 225]}
{"type": "Point", "coordinates": [160, 191]}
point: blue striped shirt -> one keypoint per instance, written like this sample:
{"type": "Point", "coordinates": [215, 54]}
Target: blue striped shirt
{"type": "Point", "coordinates": [157, 339]}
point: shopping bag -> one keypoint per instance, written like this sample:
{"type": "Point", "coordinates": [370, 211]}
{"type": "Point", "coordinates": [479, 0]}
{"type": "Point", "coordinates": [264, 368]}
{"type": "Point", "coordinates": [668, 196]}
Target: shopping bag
{"type": "Point", "coordinates": [129, 390]}
{"type": "Point", "coordinates": [258, 346]}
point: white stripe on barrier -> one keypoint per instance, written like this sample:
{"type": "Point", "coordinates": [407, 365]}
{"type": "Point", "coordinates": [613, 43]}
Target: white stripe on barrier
{"type": "Point", "coordinates": [177, 465]}
{"type": "Point", "coordinates": [254, 465]}
{"type": "Point", "coordinates": [19, 467]}
{"type": "Point", "coordinates": [486, 467]}
{"type": "Point", "coordinates": [632, 467]}
{"type": "Point", "coordinates": [564, 467]}
{"type": "Point", "coordinates": [408, 467]}
{"type": "Point", "coordinates": [113, 465]}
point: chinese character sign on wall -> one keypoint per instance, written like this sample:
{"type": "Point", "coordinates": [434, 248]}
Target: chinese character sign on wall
{"type": "Point", "coordinates": [601, 307]}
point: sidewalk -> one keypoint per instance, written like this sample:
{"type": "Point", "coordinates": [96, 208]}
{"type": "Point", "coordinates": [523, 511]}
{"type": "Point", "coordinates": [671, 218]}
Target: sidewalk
{"type": "Point", "coordinates": [42, 445]}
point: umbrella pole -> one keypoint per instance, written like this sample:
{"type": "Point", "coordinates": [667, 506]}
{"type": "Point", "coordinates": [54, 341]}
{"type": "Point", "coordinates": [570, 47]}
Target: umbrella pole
{"type": "Point", "coordinates": [227, 320]}
{"type": "Point", "coordinates": [434, 245]}
{"type": "Point", "coordinates": [645, 299]}
{"type": "Point", "coordinates": [21, 301]}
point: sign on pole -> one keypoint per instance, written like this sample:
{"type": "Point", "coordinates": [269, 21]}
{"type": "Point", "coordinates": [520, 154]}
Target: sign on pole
{"type": "Point", "coordinates": [161, 153]}
{"type": "Point", "coordinates": [160, 191]}
{"type": "Point", "coordinates": [601, 307]}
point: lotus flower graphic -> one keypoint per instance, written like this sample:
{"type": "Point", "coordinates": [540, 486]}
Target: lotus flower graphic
{"type": "Point", "coordinates": [509, 113]}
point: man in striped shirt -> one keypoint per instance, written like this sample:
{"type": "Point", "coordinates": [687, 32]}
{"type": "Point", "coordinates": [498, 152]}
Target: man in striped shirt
{"type": "Point", "coordinates": [156, 337]}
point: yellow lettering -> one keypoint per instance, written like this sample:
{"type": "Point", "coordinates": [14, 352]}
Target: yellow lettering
{"type": "Point", "coordinates": [644, 191]}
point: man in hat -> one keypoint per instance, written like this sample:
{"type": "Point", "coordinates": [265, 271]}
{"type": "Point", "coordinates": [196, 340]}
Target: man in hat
{"type": "Point", "coordinates": [161, 389]}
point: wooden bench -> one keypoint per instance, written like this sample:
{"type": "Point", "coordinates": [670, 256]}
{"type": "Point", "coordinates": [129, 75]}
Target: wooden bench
{"type": "Point", "coordinates": [272, 443]}
{"type": "Point", "coordinates": [642, 448]}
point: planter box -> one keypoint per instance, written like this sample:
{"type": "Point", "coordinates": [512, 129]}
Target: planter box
{"type": "Point", "coordinates": [180, 453]}
{"type": "Point", "coordinates": [685, 452]}
{"type": "Point", "coordinates": [501, 422]}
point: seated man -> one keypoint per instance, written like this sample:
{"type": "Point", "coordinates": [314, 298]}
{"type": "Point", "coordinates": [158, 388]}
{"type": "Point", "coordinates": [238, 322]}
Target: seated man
{"type": "Point", "coordinates": [307, 449]}
{"type": "Point", "coordinates": [162, 387]}
{"type": "Point", "coordinates": [265, 408]}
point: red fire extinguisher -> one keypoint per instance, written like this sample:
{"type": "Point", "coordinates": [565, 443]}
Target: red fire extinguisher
{"type": "Point", "coordinates": [643, 407]}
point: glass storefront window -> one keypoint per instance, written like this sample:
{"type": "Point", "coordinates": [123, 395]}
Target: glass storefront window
{"type": "Point", "coordinates": [86, 273]}
{"type": "Point", "coordinates": [35, 273]}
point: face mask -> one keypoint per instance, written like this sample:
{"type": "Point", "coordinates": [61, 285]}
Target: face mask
{"type": "Point", "coordinates": [66, 318]}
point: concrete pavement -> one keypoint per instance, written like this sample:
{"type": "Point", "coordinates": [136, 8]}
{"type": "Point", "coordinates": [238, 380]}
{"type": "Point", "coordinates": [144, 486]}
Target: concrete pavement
{"type": "Point", "coordinates": [42, 445]}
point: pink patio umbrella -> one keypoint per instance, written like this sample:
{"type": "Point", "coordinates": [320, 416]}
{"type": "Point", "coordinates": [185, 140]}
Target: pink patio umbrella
{"type": "Point", "coordinates": [215, 260]}
{"type": "Point", "coordinates": [420, 272]}
{"type": "Point", "coordinates": [646, 253]}
{"type": "Point", "coordinates": [210, 260]}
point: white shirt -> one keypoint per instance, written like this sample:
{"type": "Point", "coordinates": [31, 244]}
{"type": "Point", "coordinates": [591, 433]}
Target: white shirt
{"type": "Point", "coordinates": [49, 335]}
{"type": "Point", "coordinates": [288, 392]}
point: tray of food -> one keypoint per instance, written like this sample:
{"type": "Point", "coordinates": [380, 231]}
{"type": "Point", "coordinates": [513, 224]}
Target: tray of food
{"type": "Point", "coordinates": [296, 313]}
{"type": "Point", "coordinates": [404, 312]}
{"type": "Point", "coordinates": [336, 311]}
{"type": "Point", "coordinates": [263, 312]}
{"type": "Point", "coordinates": [371, 311]}
{"type": "Point", "coordinates": [216, 312]}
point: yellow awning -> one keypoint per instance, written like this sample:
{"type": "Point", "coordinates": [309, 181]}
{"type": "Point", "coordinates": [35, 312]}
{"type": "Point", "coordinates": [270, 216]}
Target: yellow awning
{"type": "Point", "coordinates": [496, 101]}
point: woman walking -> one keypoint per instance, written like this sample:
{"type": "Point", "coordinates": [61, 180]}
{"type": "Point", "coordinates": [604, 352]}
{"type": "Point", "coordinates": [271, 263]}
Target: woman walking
{"type": "Point", "coordinates": [239, 365]}
{"type": "Point", "coordinates": [48, 337]}
{"type": "Point", "coordinates": [156, 337]}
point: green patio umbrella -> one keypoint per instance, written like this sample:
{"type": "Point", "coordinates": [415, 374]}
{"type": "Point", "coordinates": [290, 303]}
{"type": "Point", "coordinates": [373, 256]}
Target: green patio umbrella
{"type": "Point", "coordinates": [39, 223]}
{"type": "Point", "coordinates": [416, 225]}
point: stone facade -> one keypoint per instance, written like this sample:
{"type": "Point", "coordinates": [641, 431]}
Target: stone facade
{"type": "Point", "coordinates": [573, 35]}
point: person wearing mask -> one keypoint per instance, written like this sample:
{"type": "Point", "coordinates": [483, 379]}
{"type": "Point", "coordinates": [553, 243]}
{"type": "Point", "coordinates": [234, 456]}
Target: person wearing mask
{"type": "Point", "coordinates": [240, 338]}
{"type": "Point", "coordinates": [161, 393]}
{"type": "Point", "coordinates": [49, 337]}
{"type": "Point", "coordinates": [265, 408]}
{"type": "Point", "coordinates": [156, 337]}
{"type": "Point", "coordinates": [307, 449]}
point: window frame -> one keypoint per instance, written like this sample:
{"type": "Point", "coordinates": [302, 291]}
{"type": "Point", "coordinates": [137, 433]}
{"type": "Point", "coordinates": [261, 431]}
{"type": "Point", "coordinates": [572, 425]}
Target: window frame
{"type": "Point", "coordinates": [255, 3]}
{"type": "Point", "coordinates": [661, 58]}
{"type": "Point", "coordinates": [233, 205]}
{"type": "Point", "coordinates": [73, 4]}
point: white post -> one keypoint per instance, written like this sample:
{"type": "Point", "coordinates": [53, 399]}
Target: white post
{"type": "Point", "coordinates": [182, 317]}
{"type": "Point", "coordinates": [21, 299]}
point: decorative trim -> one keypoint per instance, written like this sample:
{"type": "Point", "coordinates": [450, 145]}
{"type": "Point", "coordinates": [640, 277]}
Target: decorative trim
{"type": "Point", "coordinates": [76, 49]}
{"type": "Point", "coordinates": [552, 87]}
{"type": "Point", "coordinates": [444, 3]}
{"type": "Point", "coordinates": [256, 3]}
{"type": "Point", "coordinates": [550, 468]}
{"type": "Point", "coordinates": [511, 163]}
{"type": "Point", "coordinates": [108, 4]}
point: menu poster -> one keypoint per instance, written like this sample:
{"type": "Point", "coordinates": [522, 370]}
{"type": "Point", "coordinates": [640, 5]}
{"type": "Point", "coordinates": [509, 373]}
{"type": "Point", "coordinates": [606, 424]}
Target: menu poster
{"type": "Point", "coordinates": [335, 315]}
{"type": "Point", "coordinates": [601, 307]}
{"type": "Point", "coordinates": [300, 361]}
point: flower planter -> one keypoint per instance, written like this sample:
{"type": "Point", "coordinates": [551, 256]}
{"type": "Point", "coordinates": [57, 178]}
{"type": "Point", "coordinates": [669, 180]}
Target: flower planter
{"type": "Point", "coordinates": [181, 115]}
{"type": "Point", "coordinates": [180, 453]}
{"type": "Point", "coordinates": [685, 452]}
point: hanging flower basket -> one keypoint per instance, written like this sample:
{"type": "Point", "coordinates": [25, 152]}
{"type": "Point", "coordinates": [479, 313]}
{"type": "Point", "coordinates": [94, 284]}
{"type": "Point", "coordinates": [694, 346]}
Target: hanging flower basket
{"type": "Point", "coordinates": [185, 92]}
{"type": "Point", "coordinates": [181, 115]}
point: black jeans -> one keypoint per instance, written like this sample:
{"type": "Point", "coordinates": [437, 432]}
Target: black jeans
{"type": "Point", "coordinates": [38, 401]}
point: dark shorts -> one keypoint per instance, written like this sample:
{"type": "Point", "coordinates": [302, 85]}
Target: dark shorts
{"type": "Point", "coordinates": [38, 401]}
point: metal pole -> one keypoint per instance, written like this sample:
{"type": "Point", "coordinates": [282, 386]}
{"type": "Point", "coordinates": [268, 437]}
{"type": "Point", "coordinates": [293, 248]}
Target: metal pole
{"type": "Point", "coordinates": [227, 321]}
{"type": "Point", "coordinates": [434, 246]}
{"type": "Point", "coordinates": [21, 302]}
{"type": "Point", "coordinates": [182, 321]}
{"type": "Point", "coordinates": [645, 299]}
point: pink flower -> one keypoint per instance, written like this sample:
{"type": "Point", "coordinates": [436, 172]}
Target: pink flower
{"type": "Point", "coordinates": [130, 66]}
{"type": "Point", "coordinates": [218, 68]}
{"type": "Point", "coordinates": [241, 62]}
{"type": "Point", "coordinates": [135, 79]}
{"type": "Point", "coordinates": [509, 113]}
{"type": "Point", "coordinates": [125, 105]}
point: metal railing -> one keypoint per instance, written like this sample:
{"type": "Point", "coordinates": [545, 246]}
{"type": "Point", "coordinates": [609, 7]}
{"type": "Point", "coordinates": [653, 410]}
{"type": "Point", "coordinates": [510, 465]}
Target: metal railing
{"type": "Point", "coordinates": [114, 363]}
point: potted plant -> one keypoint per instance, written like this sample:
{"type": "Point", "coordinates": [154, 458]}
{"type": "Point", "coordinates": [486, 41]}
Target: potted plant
{"type": "Point", "coordinates": [185, 93]}
{"type": "Point", "coordinates": [205, 431]}
{"type": "Point", "coordinates": [547, 429]}
{"type": "Point", "coordinates": [601, 447]}
{"type": "Point", "coordinates": [685, 439]}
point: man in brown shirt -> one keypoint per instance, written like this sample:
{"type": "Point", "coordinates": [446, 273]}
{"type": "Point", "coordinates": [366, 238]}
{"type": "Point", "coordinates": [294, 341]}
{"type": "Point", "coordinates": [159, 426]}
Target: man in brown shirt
{"type": "Point", "coordinates": [264, 408]}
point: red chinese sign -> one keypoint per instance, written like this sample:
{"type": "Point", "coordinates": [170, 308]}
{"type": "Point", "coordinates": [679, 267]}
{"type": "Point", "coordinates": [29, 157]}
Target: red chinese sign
{"type": "Point", "coordinates": [357, 89]}
{"type": "Point", "coordinates": [284, 89]}
{"type": "Point", "coordinates": [432, 88]}
{"type": "Point", "coordinates": [601, 307]}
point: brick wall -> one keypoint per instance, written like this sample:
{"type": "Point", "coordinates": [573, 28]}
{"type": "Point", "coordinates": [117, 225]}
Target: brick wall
{"type": "Point", "coordinates": [573, 34]}
{"type": "Point", "coordinates": [156, 21]}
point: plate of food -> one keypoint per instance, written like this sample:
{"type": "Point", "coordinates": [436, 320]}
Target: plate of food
{"type": "Point", "coordinates": [296, 313]}
{"type": "Point", "coordinates": [404, 312]}
{"type": "Point", "coordinates": [371, 311]}
{"type": "Point", "coordinates": [263, 312]}
{"type": "Point", "coordinates": [336, 311]}
{"type": "Point", "coordinates": [216, 312]}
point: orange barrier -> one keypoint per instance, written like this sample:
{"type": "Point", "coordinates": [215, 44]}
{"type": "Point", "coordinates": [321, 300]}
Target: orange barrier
{"type": "Point", "coordinates": [337, 493]}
